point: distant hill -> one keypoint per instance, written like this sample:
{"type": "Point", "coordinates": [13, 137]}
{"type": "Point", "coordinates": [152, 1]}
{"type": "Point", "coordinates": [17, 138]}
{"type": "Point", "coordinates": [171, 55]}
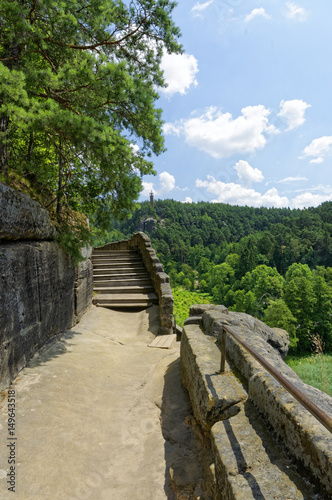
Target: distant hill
{"type": "Point", "coordinates": [281, 236]}
{"type": "Point", "coordinates": [275, 264]}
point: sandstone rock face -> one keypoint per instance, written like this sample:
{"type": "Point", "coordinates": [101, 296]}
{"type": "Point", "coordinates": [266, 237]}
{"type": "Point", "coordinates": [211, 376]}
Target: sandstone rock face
{"type": "Point", "coordinates": [37, 301]}
{"type": "Point", "coordinates": [83, 284]}
{"type": "Point", "coordinates": [23, 218]}
{"type": "Point", "coordinates": [41, 292]}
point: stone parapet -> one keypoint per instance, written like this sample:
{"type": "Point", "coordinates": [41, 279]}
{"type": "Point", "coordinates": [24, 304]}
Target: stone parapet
{"type": "Point", "coordinates": [141, 242]}
{"type": "Point", "coordinates": [293, 426]}
{"type": "Point", "coordinates": [249, 464]}
{"type": "Point", "coordinates": [213, 396]}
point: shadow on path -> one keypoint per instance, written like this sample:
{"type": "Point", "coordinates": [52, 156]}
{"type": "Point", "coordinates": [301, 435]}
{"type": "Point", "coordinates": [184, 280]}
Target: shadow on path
{"type": "Point", "coordinates": [184, 452]}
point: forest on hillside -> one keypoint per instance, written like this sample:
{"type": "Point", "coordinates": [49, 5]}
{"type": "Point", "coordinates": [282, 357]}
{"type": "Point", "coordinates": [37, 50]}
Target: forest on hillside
{"type": "Point", "coordinates": [272, 263]}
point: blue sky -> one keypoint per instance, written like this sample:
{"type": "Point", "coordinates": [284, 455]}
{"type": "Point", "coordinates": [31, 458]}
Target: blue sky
{"type": "Point", "coordinates": [248, 106]}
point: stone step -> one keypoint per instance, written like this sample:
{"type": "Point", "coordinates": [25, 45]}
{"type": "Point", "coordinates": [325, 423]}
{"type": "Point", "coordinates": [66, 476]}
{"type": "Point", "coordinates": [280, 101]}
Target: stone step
{"type": "Point", "coordinates": [113, 252]}
{"type": "Point", "coordinates": [110, 275]}
{"type": "Point", "coordinates": [119, 265]}
{"type": "Point", "coordinates": [122, 282]}
{"type": "Point", "coordinates": [120, 271]}
{"type": "Point", "coordinates": [106, 299]}
{"type": "Point", "coordinates": [117, 262]}
{"type": "Point", "coordinates": [118, 256]}
{"type": "Point", "coordinates": [124, 289]}
{"type": "Point", "coordinates": [126, 306]}
{"type": "Point", "coordinates": [250, 464]}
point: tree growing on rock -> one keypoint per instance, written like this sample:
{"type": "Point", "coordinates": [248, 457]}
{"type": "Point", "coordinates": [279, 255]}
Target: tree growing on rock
{"type": "Point", "coordinates": [78, 87]}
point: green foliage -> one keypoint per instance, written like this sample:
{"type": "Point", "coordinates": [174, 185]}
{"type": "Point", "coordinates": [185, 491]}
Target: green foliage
{"type": "Point", "coordinates": [183, 299]}
{"type": "Point", "coordinates": [265, 283]}
{"type": "Point", "coordinates": [243, 301]}
{"type": "Point", "coordinates": [278, 315]}
{"type": "Point", "coordinates": [300, 298]}
{"type": "Point", "coordinates": [78, 86]}
{"type": "Point", "coordinates": [314, 369]}
{"type": "Point", "coordinates": [270, 263]}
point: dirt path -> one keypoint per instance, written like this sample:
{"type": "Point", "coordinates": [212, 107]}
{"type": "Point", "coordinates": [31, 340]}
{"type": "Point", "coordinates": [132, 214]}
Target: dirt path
{"type": "Point", "coordinates": [99, 415]}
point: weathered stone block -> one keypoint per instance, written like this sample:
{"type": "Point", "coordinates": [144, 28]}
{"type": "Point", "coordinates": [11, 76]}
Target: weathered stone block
{"type": "Point", "coordinates": [83, 289]}
{"type": "Point", "coordinates": [216, 316]}
{"type": "Point", "coordinates": [23, 218]}
{"type": "Point", "coordinates": [214, 396]}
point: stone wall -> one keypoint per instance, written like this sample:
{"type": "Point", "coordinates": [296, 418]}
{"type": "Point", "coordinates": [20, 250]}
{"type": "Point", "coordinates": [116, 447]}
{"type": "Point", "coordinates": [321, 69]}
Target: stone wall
{"type": "Point", "coordinates": [41, 292]}
{"type": "Point", "coordinates": [225, 404]}
{"type": "Point", "coordinates": [161, 282]}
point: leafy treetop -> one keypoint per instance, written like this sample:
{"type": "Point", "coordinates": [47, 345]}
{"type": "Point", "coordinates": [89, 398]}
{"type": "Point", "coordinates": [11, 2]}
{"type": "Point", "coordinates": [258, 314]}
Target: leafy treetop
{"type": "Point", "coordinates": [78, 87]}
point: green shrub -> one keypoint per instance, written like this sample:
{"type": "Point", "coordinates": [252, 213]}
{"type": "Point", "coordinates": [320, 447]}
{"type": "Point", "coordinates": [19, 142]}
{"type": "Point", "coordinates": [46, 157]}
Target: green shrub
{"type": "Point", "coordinates": [183, 299]}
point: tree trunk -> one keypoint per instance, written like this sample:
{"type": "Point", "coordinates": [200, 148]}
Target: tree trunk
{"type": "Point", "coordinates": [30, 147]}
{"type": "Point", "coordinates": [4, 122]}
{"type": "Point", "coordinates": [60, 182]}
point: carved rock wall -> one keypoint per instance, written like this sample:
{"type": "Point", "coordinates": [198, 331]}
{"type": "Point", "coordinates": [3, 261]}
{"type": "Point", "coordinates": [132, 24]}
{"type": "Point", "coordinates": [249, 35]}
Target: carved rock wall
{"type": "Point", "coordinates": [41, 292]}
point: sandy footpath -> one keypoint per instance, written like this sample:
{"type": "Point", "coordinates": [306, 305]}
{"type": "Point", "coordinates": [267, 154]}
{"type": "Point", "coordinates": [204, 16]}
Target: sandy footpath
{"type": "Point", "coordinates": [99, 415]}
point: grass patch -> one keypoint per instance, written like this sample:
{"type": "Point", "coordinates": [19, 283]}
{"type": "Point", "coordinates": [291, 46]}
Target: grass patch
{"type": "Point", "coordinates": [313, 369]}
{"type": "Point", "coordinates": [183, 299]}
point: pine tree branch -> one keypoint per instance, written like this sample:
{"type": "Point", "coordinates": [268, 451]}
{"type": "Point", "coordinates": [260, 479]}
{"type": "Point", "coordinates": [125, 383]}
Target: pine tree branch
{"type": "Point", "coordinates": [105, 42]}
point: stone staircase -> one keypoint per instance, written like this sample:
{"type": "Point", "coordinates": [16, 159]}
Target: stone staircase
{"type": "Point", "coordinates": [121, 280]}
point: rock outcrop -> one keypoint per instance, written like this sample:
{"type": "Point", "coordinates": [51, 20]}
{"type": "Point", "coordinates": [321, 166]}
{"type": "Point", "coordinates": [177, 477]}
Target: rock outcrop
{"type": "Point", "coordinates": [41, 292]}
{"type": "Point", "coordinates": [22, 218]}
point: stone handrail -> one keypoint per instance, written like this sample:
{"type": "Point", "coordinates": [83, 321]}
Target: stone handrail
{"type": "Point", "coordinates": [161, 282]}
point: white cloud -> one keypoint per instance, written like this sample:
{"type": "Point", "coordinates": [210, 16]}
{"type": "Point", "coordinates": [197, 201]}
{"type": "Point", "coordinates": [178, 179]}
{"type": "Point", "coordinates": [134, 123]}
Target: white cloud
{"type": "Point", "coordinates": [318, 160]}
{"type": "Point", "coordinates": [292, 179]}
{"type": "Point", "coordinates": [236, 194]}
{"type": "Point", "coordinates": [179, 73]}
{"type": "Point", "coordinates": [199, 7]}
{"type": "Point", "coordinates": [318, 149]}
{"type": "Point", "coordinates": [147, 188]}
{"type": "Point", "coordinates": [293, 112]}
{"type": "Point", "coordinates": [172, 129]}
{"type": "Point", "coordinates": [295, 12]}
{"type": "Point", "coordinates": [135, 148]}
{"type": "Point", "coordinates": [260, 12]}
{"type": "Point", "coordinates": [188, 200]}
{"type": "Point", "coordinates": [220, 135]}
{"type": "Point", "coordinates": [310, 200]}
{"type": "Point", "coordinates": [247, 174]}
{"type": "Point", "coordinates": [166, 185]}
